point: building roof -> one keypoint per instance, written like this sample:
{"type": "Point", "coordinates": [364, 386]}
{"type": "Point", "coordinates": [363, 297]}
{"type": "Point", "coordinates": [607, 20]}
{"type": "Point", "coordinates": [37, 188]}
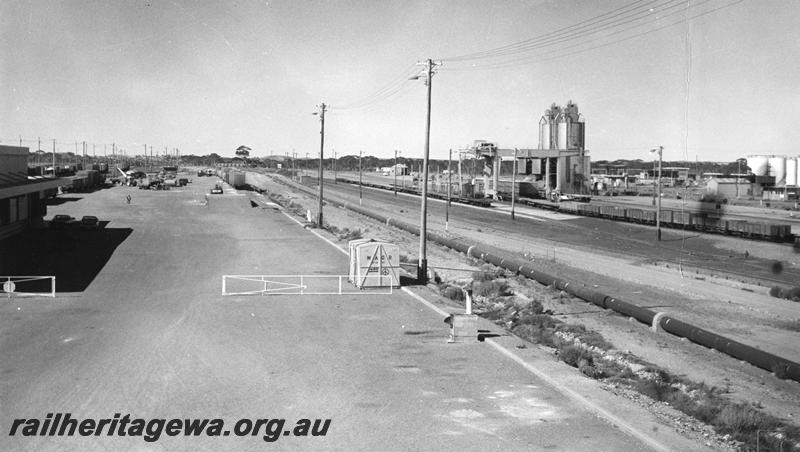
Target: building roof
{"type": "Point", "coordinates": [725, 180]}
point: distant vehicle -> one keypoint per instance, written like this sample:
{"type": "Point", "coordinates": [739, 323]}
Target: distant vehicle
{"type": "Point", "coordinates": [201, 173]}
{"type": "Point", "coordinates": [89, 222]}
{"type": "Point", "coordinates": [183, 181]}
{"type": "Point", "coordinates": [61, 221]}
{"type": "Point", "coordinates": [217, 190]}
{"type": "Point", "coordinates": [209, 172]}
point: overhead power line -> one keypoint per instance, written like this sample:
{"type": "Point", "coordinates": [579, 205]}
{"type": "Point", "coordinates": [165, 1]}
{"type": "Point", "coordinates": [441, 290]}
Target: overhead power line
{"type": "Point", "coordinates": [559, 52]}
{"type": "Point", "coordinates": [622, 13]}
{"type": "Point", "coordinates": [388, 90]}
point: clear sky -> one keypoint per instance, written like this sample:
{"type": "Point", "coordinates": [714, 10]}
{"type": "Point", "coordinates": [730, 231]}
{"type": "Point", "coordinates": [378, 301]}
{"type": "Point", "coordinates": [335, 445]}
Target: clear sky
{"type": "Point", "coordinates": [707, 79]}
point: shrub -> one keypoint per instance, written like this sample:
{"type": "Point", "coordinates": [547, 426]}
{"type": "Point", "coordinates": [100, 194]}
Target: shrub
{"type": "Point", "coordinates": [481, 276]}
{"type": "Point", "coordinates": [491, 289]}
{"type": "Point", "coordinates": [775, 291]}
{"type": "Point", "coordinates": [739, 418]}
{"type": "Point", "coordinates": [453, 293]}
{"type": "Point", "coordinates": [574, 355]}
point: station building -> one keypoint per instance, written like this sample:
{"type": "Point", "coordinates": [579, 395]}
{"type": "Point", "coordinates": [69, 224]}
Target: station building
{"type": "Point", "coordinates": [22, 198]}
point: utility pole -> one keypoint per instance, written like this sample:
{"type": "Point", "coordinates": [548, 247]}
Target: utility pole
{"type": "Point", "coordinates": [449, 190]}
{"type": "Point", "coordinates": [334, 167]}
{"type": "Point", "coordinates": [514, 182]}
{"type": "Point", "coordinates": [359, 179]}
{"type": "Point", "coordinates": [54, 158]}
{"type": "Point", "coordinates": [322, 108]}
{"type": "Point", "coordinates": [738, 174]}
{"type": "Point", "coordinates": [660, 151]}
{"type": "Point", "coordinates": [422, 268]}
{"type": "Point", "coordinates": [395, 172]}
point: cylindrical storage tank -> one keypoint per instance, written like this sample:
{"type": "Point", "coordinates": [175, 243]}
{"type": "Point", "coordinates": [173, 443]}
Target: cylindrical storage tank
{"type": "Point", "coordinates": [544, 133]}
{"type": "Point", "coordinates": [759, 164]}
{"type": "Point", "coordinates": [777, 168]}
{"type": "Point", "coordinates": [575, 136]}
{"type": "Point", "coordinates": [561, 137]}
{"type": "Point", "coordinates": [791, 171]}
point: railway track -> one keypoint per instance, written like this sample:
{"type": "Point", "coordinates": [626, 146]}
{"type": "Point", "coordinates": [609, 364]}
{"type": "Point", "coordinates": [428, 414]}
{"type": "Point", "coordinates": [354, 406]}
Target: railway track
{"type": "Point", "coordinates": [619, 238]}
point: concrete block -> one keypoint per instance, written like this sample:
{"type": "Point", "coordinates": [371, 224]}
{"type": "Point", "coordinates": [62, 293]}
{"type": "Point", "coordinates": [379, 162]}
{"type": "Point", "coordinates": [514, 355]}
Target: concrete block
{"type": "Point", "coordinates": [464, 328]}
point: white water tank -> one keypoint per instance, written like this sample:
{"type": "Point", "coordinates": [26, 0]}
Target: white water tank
{"type": "Point", "coordinates": [777, 168]}
{"type": "Point", "coordinates": [759, 164]}
{"type": "Point", "coordinates": [791, 171]}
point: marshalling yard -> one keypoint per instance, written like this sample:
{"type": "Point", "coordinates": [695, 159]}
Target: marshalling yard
{"type": "Point", "coordinates": [146, 319]}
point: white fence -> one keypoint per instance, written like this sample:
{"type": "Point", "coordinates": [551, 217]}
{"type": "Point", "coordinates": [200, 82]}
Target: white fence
{"type": "Point", "coordinates": [294, 285]}
{"type": "Point", "coordinates": [29, 286]}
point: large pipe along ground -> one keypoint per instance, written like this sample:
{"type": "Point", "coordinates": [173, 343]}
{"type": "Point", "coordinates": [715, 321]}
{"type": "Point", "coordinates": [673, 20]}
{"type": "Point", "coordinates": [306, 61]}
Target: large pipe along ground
{"type": "Point", "coordinates": [738, 350]}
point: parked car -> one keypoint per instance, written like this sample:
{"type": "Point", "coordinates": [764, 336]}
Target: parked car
{"type": "Point", "coordinates": [89, 222]}
{"type": "Point", "coordinates": [217, 190]}
{"type": "Point", "coordinates": [61, 221]}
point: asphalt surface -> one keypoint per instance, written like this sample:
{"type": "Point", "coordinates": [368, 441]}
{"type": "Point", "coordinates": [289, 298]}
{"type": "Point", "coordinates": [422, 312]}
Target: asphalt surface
{"type": "Point", "coordinates": [150, 335]}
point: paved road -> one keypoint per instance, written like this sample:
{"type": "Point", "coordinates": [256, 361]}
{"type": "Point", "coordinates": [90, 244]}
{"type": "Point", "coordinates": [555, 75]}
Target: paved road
{"type": "Point", "coordinates": [152, 337]}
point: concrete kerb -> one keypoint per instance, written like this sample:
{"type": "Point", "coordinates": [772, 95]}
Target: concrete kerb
{"type": "Point", "coordinates": [563, 389]}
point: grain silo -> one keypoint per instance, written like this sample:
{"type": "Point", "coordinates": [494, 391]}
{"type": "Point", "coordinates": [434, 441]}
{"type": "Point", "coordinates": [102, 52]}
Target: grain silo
{"type": "Point", "coordinates": [791, 171]}
{"type": "Point", "coordinates": [759, 164]}
{"type": "Point", "coordinates": [562, 128]}
{"type": "Point", "coordinates": [777, 168]}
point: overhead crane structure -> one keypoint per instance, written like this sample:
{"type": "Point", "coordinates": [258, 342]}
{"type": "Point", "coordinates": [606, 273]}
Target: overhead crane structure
{"type": "Point", "coordinates": [559, 163]}
{"type": "Point", "coordinates": [549, 169]}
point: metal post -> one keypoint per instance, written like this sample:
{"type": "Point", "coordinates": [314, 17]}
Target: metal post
{"type": "Point", "coordinates": [654, 188]}
{"type": "Point", "coordinates": [334, 167]}
{"type": "Point", "coordinates": [360, 195]}
{"type": "Point", "coordinates": [513, 182]}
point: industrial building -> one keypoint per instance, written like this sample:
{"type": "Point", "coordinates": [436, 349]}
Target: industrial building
{"type": "Point", "coordinates": [22, 198]}
{"type": "Point", "coordinates": [560, 162]}
{"type": "Point", "coordinates": [732, 188]}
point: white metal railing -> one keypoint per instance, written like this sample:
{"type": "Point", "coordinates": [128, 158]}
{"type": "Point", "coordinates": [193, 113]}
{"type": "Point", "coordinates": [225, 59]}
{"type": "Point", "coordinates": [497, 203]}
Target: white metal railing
{"type": "Point", "coordinates": [10, 284]}
{"type": "Point", "coordinates": [295, 285]}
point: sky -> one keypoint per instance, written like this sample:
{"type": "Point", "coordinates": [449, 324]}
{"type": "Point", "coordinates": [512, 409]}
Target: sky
{"type": "Point", "coordinates": [711, 80]}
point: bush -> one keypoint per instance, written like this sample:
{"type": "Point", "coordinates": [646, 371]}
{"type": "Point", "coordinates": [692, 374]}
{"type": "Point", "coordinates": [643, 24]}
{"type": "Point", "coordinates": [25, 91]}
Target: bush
{"type": "Point", "coordinates": [481, 276]}
{"type": "Point", "coordinates": [739, 418]}
{"type": "Point", "coordinates": [536, 334]}
{"type": "Point", "coordinates": [775, 291]}
{"type": "Point", "coordinates": [453, 293]}
{"type": "Point", "coordinates": [491, 289]}
{"type": "Point", "coordinates": [574, 355]}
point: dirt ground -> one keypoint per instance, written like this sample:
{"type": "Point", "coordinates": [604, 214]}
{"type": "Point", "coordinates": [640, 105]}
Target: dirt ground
{"type": "Point", "coordinates": [740, 310]}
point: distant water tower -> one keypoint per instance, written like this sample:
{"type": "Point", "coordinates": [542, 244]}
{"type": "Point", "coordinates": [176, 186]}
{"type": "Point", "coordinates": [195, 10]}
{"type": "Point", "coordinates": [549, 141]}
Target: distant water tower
{"type": "Point", "coordinates": [562, 128]}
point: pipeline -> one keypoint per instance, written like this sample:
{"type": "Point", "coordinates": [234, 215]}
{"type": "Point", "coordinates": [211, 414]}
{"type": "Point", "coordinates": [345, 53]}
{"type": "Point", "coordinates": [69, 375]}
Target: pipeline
{"type": "Point", "coordinates": [765, 360]}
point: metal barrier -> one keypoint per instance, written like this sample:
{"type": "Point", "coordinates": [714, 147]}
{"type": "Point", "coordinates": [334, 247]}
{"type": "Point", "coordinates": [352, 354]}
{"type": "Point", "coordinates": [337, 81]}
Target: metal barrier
{"type": "Point", "coordinates": [28, 286]}
{"type": "Point", "coordinates": [295, 285]}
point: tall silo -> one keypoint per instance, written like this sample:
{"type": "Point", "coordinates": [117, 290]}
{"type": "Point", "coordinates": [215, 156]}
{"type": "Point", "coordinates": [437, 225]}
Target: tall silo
{"type": "Point", "coordinates": [561, 137]}
{"type": "Point", "coordinates": [544, 133]}
{"type": "Point", "coordinates": [791, 171]}
{"type": "Point", "coordinates": [575, 135]}
{"type": "Point", "coordinates": [777, 168]}
{"type": "Point", "coordinates": [759, 164]}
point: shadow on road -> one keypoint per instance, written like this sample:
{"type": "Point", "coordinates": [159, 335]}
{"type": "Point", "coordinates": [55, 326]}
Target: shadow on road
{"type": "Point", "coordinates": [60, 200]}
{"type": "Point", "coordinates": [74, 257]}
